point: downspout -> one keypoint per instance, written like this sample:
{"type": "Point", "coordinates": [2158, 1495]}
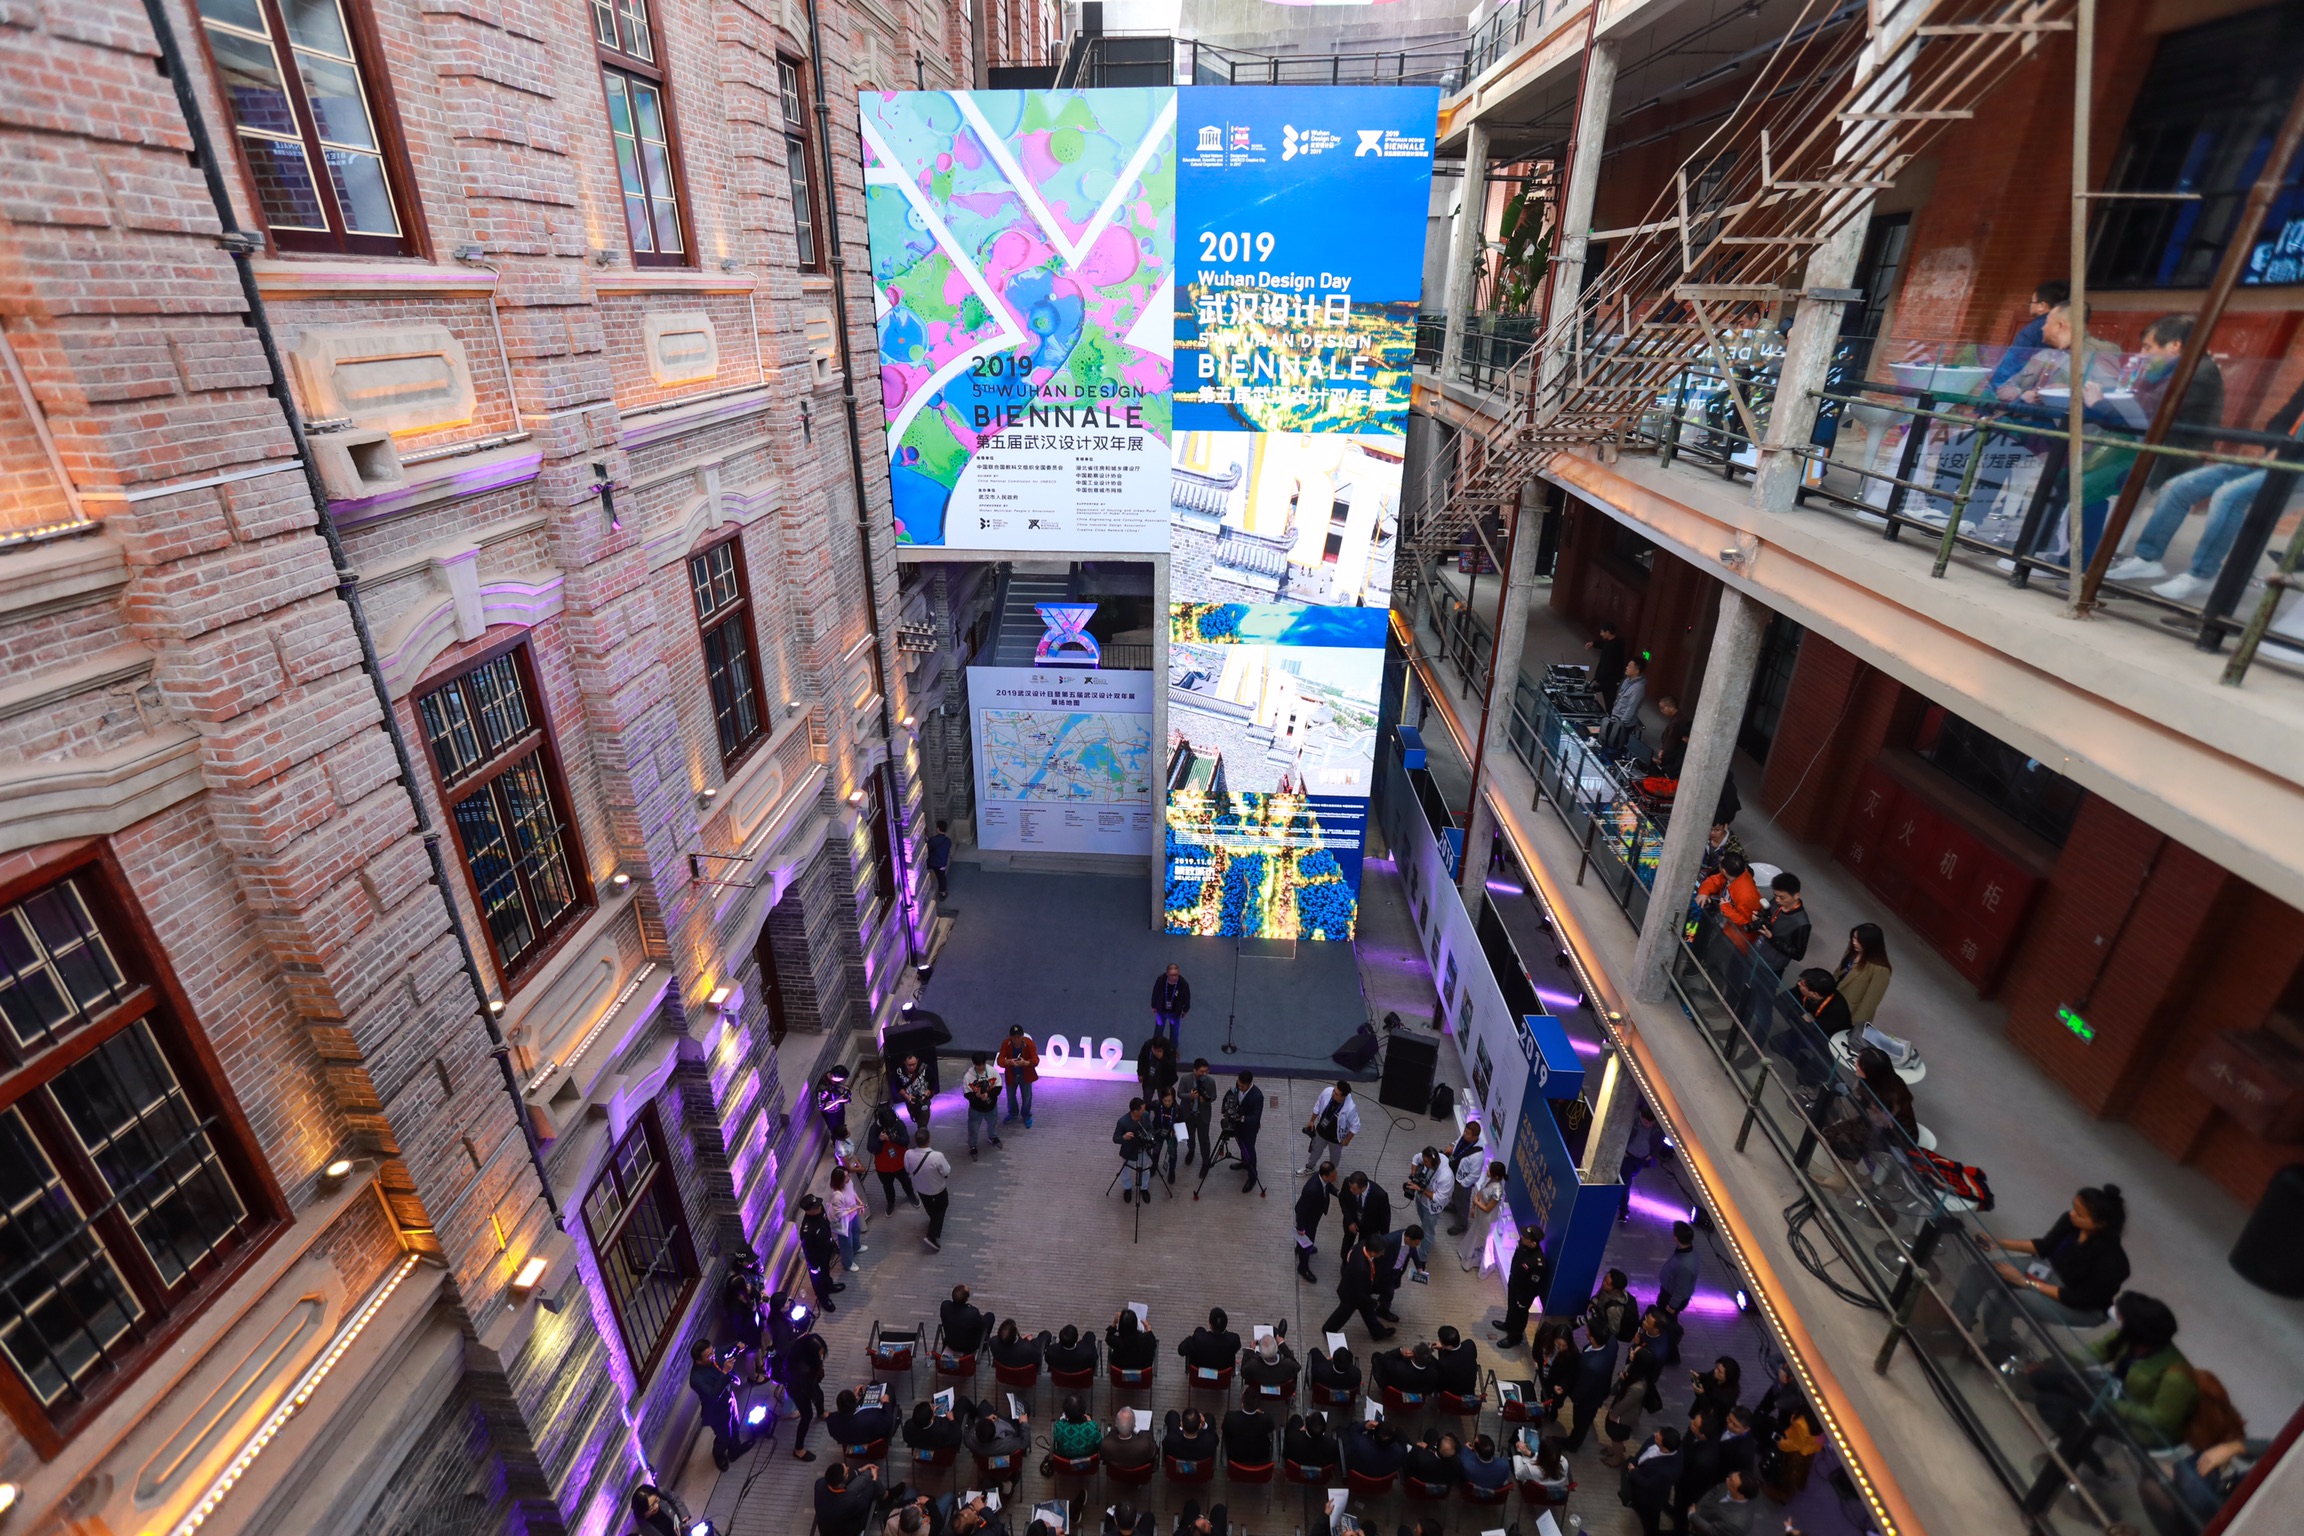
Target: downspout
{"type": "Point", "coordinates": [890, 798]}
{"type": "Point", "coordinates": [241, 244]}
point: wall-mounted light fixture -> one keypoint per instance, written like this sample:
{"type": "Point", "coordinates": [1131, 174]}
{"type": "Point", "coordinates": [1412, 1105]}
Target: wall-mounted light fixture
{"type": "Point", "coordinates": [705, 797]}
{"type": "Point", "coordinates": [333, 1176]}
{"type": "Point", "coordinates": [620, 880]}
{"type": "Point", "coordinates": [531, 1275]}
{"type": "Point", "coordinates": [604, 487]}
{"type": "Point", "coordinates": [719, 997]}
{"type": "Point", "coordinates": [495, 1005]}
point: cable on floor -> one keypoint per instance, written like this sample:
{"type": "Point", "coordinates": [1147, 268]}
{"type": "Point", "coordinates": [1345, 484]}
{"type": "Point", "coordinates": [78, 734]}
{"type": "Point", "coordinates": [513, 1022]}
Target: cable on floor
{"type": "Point", "coordinates": [1798, 1217]}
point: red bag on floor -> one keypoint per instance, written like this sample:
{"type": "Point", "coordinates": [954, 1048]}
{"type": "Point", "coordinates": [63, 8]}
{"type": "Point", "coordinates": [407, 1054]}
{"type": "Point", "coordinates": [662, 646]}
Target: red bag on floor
{"type": "Point", "coordinates": [1659, 786]}
{"type": "Point", "coordinates": [1959, 1180]}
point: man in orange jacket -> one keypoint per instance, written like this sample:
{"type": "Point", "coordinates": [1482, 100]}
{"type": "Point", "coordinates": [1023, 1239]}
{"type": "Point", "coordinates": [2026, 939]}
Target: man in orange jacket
{"type": "Point", "coordinates": [1020, 1060]}
{"type": "Point", "coordinates": [1732, 886]}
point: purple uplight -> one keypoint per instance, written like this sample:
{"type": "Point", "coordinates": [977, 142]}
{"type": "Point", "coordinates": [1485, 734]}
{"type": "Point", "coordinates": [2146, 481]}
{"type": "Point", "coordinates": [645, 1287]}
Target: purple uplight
{"type": "Point", "coordinates": [1505, 888]}
{"type": "Point", "coordinates": [1566, 1002]}
{"type": "Point", "coordinates": [1660, 1210]}
{"type": "Point", "coordinates": [1712, 1304]}
{"type": "Point", "coordinates": [1587, 1047]}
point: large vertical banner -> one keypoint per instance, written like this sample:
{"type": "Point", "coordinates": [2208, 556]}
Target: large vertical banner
{"type": "Point", "coordinates": [1121, 321]}
{"type": "Point", "coordinates": [1063, 759]}
{"type": "Point", "coordinates": [1300, 233]}
{"type": "Point", "coordinates": [1023, 247]}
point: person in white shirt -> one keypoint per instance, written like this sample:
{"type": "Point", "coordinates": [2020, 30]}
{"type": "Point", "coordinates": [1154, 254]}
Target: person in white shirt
{"type": "Point", "coordinates": [931, 1173]}
{"type": "Point", "coordinates": [1334, 1121]}
{"type": "Point", "coordinates": [847, 1210]}
{"type": "Point", "coordinates": [1467, 1160]}
{"type": "Point", "coordinates": [1487, 1202]}
{"type": "Point", "coordinates": [1431, 1186]}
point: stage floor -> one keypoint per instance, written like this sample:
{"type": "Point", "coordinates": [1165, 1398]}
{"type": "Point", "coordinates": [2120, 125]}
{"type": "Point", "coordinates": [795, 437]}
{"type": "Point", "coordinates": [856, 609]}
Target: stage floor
{"type": "Point", "coordinates": [1075, 955]}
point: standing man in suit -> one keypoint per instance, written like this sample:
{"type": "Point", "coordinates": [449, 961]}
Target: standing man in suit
{"type": "Point", "coordinates": [1171, 1000]}
{"type": "Point", "coordinates": [715, 1391]}
{"type": "Point", "coordinates": [1360, 1289]}
{"type": "Point", "coordinates": [1595, 1369]}
{"type": "Point", "coordinates": [1244, 1115]}
{"type": "Point", "coordinates": [1367, 1210]}
{"type": "Point", "coordinates": [1650, 1480]}
{"type": "Point", "coordinates": [1312, 1204]}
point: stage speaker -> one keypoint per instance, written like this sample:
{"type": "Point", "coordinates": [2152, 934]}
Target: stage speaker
{"type": "Point", "coordinates": [1410, 1059]}
{"type": "Point", "coordinates": [2269, 1253]}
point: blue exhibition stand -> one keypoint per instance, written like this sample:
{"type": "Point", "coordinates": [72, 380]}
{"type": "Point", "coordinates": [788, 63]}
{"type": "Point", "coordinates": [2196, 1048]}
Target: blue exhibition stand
{"type": "Point", "coordinates": [1541, 1183]}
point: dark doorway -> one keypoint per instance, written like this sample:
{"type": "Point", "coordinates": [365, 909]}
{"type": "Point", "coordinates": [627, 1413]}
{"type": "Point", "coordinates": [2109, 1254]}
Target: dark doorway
{"type": "Point", "coordinates": [1771, 683]}
{"type": "Point", "coordinates": [771, 976]}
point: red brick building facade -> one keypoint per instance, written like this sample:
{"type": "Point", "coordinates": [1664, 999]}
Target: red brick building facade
{"type": "Point", "coordinates": [551, 289]}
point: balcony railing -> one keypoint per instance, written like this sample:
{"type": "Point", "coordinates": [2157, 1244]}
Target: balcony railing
{"type": "Point", "coordinates": [1514, 23]}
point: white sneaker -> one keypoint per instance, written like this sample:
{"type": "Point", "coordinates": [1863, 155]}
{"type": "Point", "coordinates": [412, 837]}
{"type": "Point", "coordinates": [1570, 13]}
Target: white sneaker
{"type": "Point", "coordinates": [2136, 568]}
{"type": "Point", "coordinates": [2181, 589]}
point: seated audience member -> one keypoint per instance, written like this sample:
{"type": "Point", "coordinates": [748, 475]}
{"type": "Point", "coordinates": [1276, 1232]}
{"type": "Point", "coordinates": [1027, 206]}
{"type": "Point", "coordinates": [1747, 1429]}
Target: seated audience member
{"type": "Point", "coordinates": [915, 1516]}
{"type": "Point", "coordinates": [2085, 1265]}
{"type": "Point", "coordinates": [1248, 1435]}
{"type": "Point", "coordinates": [2157, 1387]}
{"type": "Point", "coordinates": [1123, 1519]}
{"type": "Point", "coordinates": [1074, 1433]}
{"type": "Point", "coordinates": [974, 1518]}
{"type": "Point", "coordinates": [1432, 1461]}
{"type": "Point", "coordinates": [1334, 1372]}
{"type": "Point", "coordinates": [1125, 1446]}
{"type": "Point", "coordinates": [1411, 1370]}
{"type": "Point", "coordinates": [1015, 1349]}
{"type": "Point", "coordinates": [844, 1504]}
{"type": "Point", "coordinates": [1130, 1345]}
{"type": "Point", "coordinates": [1271, 1363]}
{"type": "Point", "coordinates": [926, 1430]}
{"type": "Point", "coordinates": [964, 1325]}
{"type": "Point", "coordinates": [996, 1436]}
{"type": "Point", "coordinates": [1479, 1465]}
{"type": "Point", "coordinates": [1191, 1520]}
{"type": "Point", "coordinates": [1373, 1449]}
{"type": "Point", "coordinates": [852, 1425]}
{"type": "Point", "coordinates": [1213, 1348]}
{"type": "Point", "coordinates": [1072, 1351]}
{"type": "Point", "coordinates": [1190, 1436]}
{"type": "Point", "coordinates": [1308, 1442]}
{"type": "Point", "coordinates": [1457, 1364]}
{"type": "Point", "coordinates": [1543, 1461]}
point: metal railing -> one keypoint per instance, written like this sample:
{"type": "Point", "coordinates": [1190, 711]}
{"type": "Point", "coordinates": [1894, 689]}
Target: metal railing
{"type": "Point", "coordinates": [1440, 64]}
{"type": "Point", "coordinates": [1987, 478]}
{"type": "Point", "coordinates": [1514, 23]}
{"type": "Point", "coordinates": [1905, 1228]}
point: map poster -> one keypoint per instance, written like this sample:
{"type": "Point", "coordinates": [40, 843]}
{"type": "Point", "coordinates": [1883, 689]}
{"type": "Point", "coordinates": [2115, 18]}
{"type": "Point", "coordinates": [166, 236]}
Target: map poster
{"type": "Point", "coordinates": [1023, 252]}
{"type": "Point", "coordinates": [1063, 759]}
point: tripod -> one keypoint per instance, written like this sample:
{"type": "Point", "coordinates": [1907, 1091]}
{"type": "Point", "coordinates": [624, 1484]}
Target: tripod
{"type": "Point", "coordinates": [1152, 1166]}
{"type": "Point", "coordinates": [1225, 1151]}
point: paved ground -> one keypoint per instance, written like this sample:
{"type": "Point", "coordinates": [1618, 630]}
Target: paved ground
{"type": "Point", "coordinates": [1035, 1234]}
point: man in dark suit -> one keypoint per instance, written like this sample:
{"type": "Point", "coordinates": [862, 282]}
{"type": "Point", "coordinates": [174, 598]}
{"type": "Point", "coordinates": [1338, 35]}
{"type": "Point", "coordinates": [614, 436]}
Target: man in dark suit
{"type": "Point", "coordinates": [1190, 1436]}
{"type": "Point", "coordinates": [1246, 1101]}
{"type": "Point", "coordinates": [1700, 1469]}
{"type": "Point", "coordinates": [1308, 1442]}
{"type": "Point", "coordinates": [1360, 1289]}
{"type": "Point", "coordinates": [964, 1325]}
{"type": "Point", "coordinates": [1248, 1435]}
{"type": "Point", "coordinates": [1366, 1209]}
{"type": "Point", "coordinates": [1739, 1447]}
{"type": "Point", "coordinates": [1410, 1370]}
{"type": "Point", "coordinates": [715, 1391]}
{"type": "Point", "coordinates": [853, 1425]}
{"type": "Point", "coordinates": [1337, 1372]}
{"type": "Point", "coordinates": [1312, 1204]}
{"type": "Point", "coordinates": [1403, 1253]}
{"type": "Point", "coordinates": [844, 1504]}
{"type": "Point", "coordinates": [1213, 1348]}
{"type": "Point", "coordinates": [1649, 1482]}
{"type": "Point", "coordinates": [1595, 1369]}
{"type": "Point", "coordinates": [1458, 1360]}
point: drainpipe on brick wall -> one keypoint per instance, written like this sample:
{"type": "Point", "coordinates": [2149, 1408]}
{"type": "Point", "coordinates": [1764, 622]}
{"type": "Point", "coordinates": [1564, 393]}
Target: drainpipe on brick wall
{"type": "Point", "coordinates": [891, 798]}
{"type": "Point", "coordinates": [241, 245]}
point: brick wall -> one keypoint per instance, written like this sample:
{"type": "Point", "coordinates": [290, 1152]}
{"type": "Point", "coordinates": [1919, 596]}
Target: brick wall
{"type": "Point", "coordinates": [1837, 716]}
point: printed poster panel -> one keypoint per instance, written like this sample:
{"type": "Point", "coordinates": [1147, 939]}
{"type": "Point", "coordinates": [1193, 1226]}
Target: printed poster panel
{"type": "Point", "coordinates": [1023, 248]}
{"type": "Point", "coordinates": [1300, 266]}
{"type": "Point", "coordinates": [1063, 759]}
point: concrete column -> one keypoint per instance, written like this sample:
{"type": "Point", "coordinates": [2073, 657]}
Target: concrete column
{"type": "Point", "coordinates": [1807, 359]}
{"type": "Point", "coordinates": [1612, 1115]}
{"type": "Point", "coordinates": [1161, 630]}
{"type": "Point", "coordinates": [1463, 243]}
{"type": "Point", "coordinates": [1511, 639]}
{"type": "Point", "coordinates": [1576, 197]}
{"type": "Point", "coordinates": [1711, 742]}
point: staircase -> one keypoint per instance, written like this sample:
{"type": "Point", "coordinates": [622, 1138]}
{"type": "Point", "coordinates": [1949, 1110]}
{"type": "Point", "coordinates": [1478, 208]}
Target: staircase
{"type": "Point", "coordinates": [1851, 95]}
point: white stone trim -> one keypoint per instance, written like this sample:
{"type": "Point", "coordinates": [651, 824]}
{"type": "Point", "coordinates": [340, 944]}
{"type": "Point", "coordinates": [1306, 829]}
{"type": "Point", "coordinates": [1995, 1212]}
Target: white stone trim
{"type": "Point", "coordinates": [461, 607]}
{"type": "Point", "coordinates": [97, 795]}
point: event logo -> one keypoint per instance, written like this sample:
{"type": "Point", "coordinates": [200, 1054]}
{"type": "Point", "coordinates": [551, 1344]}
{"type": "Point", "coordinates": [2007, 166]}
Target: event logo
{"type": "Point", "coordinates": [1067, 642]}
{"type": "Point", "coordinates": [1211, 138]}
{"type": "Point", "coordinates": [1371, 142]}
{"type": "Point", "coordinates": [1240, 136]}
{"type": "Point", "coordinates": [1305, 141]}
{"type": "Point", "coordinates": [1386, 144]}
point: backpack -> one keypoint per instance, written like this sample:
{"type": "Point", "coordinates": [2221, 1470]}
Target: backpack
{"type": "Point", "coordinates": [1959, 1180]}
{"type": "Point", "coordinates": [1443, 1102]}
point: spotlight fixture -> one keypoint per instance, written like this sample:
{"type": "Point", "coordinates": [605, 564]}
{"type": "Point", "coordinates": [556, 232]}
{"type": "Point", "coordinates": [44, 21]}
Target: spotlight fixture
{"type": "Point", "coordinates": [531, 1275]}
{"type": "Point", "coordinates": [495, 1005]}
{"type": "Point", "coordinates": [620, 880]}
{"type": "Point", "coordinates": [757, 1414]}
{"type": "Point", "coordinates": [855, 797]}
{"type": "Point", "coordinates": [9, 1493]}
{"type": "Point", "coordinates": [333, 1176]}
{"type": "Point", "coordinates": [719, 997]}
{"type": "Point", "coordinates": [705, 797]}
{"type": "Point", "coordinates": [1743, 1302]}
{"type": "Point", "coordinates": [910, 722]}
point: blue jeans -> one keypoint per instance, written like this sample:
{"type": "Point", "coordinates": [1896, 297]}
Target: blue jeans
{"type": "Point", "coordinates": [989, 1119]}
{"type": "Point", "coordinates": [1019, 1098]}
{"type": "Point", "coordinates": [1137, 1176]}
{"type": "Point", "coordinates": [845, 1235]}
{"type": "Point", "coordinates": [2228, 489]}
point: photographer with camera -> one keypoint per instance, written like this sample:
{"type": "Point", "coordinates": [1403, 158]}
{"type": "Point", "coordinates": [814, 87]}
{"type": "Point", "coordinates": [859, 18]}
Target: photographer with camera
{"type": "Point", "coordinates": [1334, 1121]}
{"type": "Point", "coordinates": [1136, 1139]}
{"type": "Point", "coordinates": [715, 1388]}
{"type": "Point", "coordinates": [1430, 1187]}
{"type": "Point", "coordinates": [1196, 1105]}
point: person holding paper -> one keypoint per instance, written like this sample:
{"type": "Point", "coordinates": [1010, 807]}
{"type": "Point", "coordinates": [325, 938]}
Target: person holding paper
{"type": "Point", "coordinates": [1312, 1204]}
{"type": "Point", "coordinates": [995, 1437]}
{"type": "Point", "coordinates": [1271, 1363]}
{"type": "Point", "coordinates": [1125, 1447]}
{"type": "Point", "coordinates": [1403, 1256]}
{"type": "Point", "coordinates": [851, 1422]}
{"type": "Point", "coordinates": [1333, 1369]}
{"type": "Point", "coordinates": [1131, 1345]}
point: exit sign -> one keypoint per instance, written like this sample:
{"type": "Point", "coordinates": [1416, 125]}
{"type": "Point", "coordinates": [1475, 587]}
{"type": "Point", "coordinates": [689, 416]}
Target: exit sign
{"type": "Point", "coordinates": [2073, 1022]}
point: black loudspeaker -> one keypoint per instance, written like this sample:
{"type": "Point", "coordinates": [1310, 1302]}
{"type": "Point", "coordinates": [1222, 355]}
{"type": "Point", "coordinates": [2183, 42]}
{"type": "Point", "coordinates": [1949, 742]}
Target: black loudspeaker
{"type": "Point", "coordinates": [1356, 1054]}
{"type": "Point", "coordinates": [2270, 1252]}
{"type": "Point", "coordinates": [1410, 1059]}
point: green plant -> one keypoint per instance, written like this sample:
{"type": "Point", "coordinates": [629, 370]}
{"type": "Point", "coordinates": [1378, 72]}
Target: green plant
{"type": "Point", "coordinates": [1524, 252]}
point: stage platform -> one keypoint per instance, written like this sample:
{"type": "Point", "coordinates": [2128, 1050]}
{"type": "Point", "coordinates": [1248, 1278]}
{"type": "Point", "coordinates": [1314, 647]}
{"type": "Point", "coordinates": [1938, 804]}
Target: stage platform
{"type": "Point", "coordinates": [1075, 954]}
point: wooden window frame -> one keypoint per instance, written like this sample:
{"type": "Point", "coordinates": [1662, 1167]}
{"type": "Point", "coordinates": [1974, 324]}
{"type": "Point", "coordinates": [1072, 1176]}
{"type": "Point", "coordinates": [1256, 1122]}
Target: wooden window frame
{"type": "Point", "coordinates": [653, 73]}
{"type": "Point", "coordinates": [743, 616]}
{"type": "Point", "coordinates": [553, 935]}
{"type": "Point", "coordinates": [799, 134]}
{"type": "Point", "coordinates": [158, 998]}
{"type": "Point", "coordinates": [664, 1186]}
{"type": "Point", "coordinates": [384, 115]}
